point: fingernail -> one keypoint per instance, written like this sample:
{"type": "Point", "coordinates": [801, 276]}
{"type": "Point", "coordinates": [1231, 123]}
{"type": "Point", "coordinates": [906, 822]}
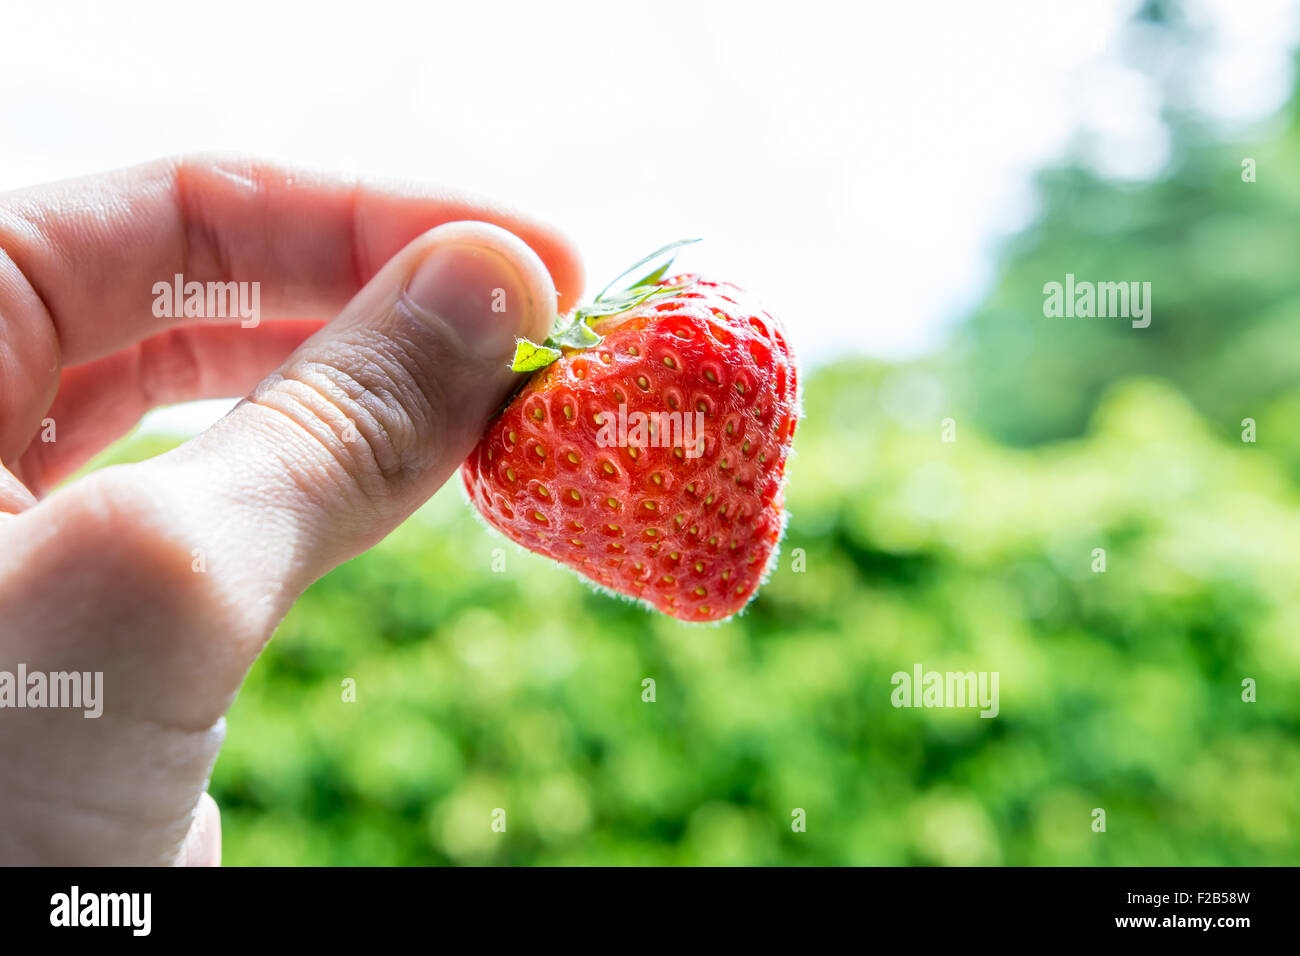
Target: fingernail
{"type": "Point", "coordinates": [474, 291]}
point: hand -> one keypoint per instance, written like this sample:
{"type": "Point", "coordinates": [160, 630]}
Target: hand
{"type": "Point", "coordinates": [169, 576]}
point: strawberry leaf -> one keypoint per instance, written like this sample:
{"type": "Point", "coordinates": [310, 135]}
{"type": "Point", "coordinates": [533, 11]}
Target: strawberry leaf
{"type": "Point", "coordinates": [620, 301]}
{"type": "Point", "coordinates": [653, 277]}
{"type": "Point", "coordinates": [574, 331]}
{"type": "Point", "coordinates": [529, 356]}
{"type": "Point", "coordinates": [575, 334]}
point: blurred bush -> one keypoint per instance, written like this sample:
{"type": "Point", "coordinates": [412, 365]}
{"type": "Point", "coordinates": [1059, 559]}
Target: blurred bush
{"type": "Point", "coordinates": [1216, 239]}
{"type": "Point", "coordinates": [522, 690]}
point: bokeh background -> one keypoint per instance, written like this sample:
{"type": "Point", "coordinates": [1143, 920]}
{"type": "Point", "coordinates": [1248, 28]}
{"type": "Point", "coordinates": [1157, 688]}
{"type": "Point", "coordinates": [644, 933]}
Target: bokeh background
{"type": "Point", "coordinates": [899, 187]}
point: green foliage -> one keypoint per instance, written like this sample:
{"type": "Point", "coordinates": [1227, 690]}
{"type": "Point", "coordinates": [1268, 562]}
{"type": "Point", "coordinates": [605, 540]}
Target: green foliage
{"type": "Point", "coordinates": [1119, 690]}
{"type": "Point", "coordinates": [1220, 254]}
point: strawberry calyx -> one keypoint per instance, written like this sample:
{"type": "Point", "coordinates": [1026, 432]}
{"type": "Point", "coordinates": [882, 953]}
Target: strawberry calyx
{"type": "Point", "coordinates": [573, 331]}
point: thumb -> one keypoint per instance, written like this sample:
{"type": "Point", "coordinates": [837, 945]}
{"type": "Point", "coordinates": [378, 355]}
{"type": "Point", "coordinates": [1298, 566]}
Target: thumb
{"type": "Point", "coordinates": [364, 421]}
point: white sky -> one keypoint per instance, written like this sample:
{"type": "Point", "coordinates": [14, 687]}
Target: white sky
{"type": "Point", "coordinates": [853, 164]}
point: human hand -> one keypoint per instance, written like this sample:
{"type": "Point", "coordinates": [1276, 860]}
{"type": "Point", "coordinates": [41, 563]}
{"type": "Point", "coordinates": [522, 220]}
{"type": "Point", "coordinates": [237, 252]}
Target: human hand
{"type": "Point", "coordinates": [169, 576]}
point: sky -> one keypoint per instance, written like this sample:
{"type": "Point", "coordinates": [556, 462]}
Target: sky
{"type": "Point", "coordinates": [855, 165]}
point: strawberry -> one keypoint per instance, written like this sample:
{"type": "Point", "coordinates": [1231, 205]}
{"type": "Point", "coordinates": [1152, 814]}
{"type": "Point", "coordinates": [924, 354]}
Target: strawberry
{"type": "Point", "coordinates": [648, 450]}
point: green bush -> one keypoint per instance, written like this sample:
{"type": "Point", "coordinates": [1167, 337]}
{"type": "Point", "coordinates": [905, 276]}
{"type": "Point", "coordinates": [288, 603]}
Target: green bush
{"type": "Point", "coordinates": [522, 690]}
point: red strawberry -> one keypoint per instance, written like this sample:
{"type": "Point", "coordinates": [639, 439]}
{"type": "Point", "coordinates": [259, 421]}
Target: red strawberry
{"type": "Point", "coordinates": [641, 510]}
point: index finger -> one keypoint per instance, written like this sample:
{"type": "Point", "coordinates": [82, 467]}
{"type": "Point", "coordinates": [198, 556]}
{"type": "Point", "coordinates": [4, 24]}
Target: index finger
{"type": "Point", "coordinates": [93, 248]}
{"type": "Point", "coordinates": [79, 259]}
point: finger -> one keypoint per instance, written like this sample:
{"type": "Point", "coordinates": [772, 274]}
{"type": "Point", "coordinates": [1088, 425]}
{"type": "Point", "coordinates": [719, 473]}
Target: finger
{"type": "Point", "coordinates": [366, 420]}
{"type": "Point", "coordinates": [14, 496]}
{"type": "Point", "coordinates": [79, 260]}
{"type": "Point", "coordinates": [324, 458]}
{"type": "Point", "coordinates": [203, 842]}
{"type": "Point", "coordinates": [99, 402]}
{"type": "Point", "coordinates": [93, 248]}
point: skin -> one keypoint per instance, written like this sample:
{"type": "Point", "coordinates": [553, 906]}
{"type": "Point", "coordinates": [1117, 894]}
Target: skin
{"type": "Point", "coordinates": [374, 369]}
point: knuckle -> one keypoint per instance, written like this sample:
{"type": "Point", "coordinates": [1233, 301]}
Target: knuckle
{"type": "Point", "coordinates": [121, 523]}
{"type": "Point", "coordinates": [169, 367]}
{"type": "Point", "coordinates": [127, 579]}
{"type": "Point", "coordinates": [115, 558]}
{"type": "Point", "coordinates": [363, 408]}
